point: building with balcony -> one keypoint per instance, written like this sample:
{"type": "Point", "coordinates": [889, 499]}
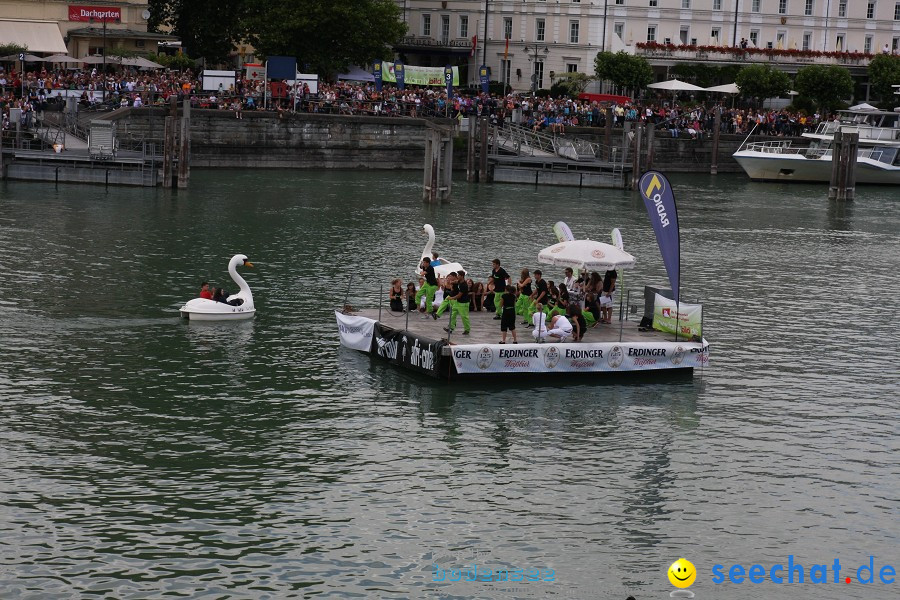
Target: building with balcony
{"type": "Point", "coordinates": [542, 38]}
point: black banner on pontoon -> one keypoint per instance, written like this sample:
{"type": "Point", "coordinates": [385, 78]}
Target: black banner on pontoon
{"type": "Point", "coordinates": [407, 350]}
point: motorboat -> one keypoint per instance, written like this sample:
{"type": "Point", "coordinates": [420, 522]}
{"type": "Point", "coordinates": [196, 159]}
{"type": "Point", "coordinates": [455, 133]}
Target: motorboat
{"type": "Point", "coordinates": [236, 307]}
{"type": "Point", "coordinates": [878, 154]}
{"type": "Point", "coordinates": [445, 267]}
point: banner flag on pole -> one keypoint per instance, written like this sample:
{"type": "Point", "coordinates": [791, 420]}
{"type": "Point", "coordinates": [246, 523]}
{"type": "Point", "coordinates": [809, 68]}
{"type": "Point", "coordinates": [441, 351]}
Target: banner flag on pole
{"type": "Point", "coordinates": [474, 45]}
{"type": "Point", "coordinates": [448, 77]}
{"type": "Point", "coordinates": [563, 233]}
{"type": "Point", "coordinates": [506, 50]}
{"type": "Point", "coordinates": [379, 76]}
{"type": "Point", "coordinates": [660, 202]}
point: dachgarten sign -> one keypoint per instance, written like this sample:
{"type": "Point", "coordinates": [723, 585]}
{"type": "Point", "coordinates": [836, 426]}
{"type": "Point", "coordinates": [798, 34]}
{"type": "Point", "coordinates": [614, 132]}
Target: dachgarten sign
{"type": "Point", "coordinates": [95, 13]}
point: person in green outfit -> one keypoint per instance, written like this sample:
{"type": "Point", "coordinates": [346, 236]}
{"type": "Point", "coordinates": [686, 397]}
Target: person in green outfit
{"type": "Point", "coordinates": [459, 304]}
{"type": "Point", "coordinates": [501, 280]}
{"type": "Point", "coordinates": [429, 287]}
{"type": "Point", "coordinates": [449, 293]}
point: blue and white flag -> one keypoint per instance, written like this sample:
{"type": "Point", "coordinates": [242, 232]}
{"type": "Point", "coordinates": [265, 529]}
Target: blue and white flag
{"type": "Point", "coordinates": [660, 202]}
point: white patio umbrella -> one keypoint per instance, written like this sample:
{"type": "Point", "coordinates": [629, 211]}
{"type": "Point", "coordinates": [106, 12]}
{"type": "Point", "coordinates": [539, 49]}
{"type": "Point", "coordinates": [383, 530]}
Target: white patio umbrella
{"type": "Point", "coordinates": [28, 58]}
{"type": "Point", "coordinates": [863, 106]}
{"type": "Point", "coordinates": [98, 60]}
{"type": "Point", "coordinates": [728, 88]}
{"type": "Point", "coordinates": [586, 255]}
{"type": "Point", "coordinates": [676, 85]}
{"type": "Point", "coordinates": [140, 61]}
{"type": "Point", "coordinates": [61, 58]}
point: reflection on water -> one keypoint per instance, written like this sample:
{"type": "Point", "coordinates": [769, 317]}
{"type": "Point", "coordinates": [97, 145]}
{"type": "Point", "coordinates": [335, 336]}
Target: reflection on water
{"type": "Point", "coordinates": [147, 455]}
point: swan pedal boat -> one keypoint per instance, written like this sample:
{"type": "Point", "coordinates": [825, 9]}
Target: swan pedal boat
{"type": "Point", "coordinates": [202, 309]}
{"type": "Point", "coordinates": [440, 270]}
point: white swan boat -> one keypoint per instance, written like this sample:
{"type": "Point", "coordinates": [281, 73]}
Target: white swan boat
{"type": "Point", "coordinates": [440, 270]}
{"type": "Point", "coordinates": [878, 156]}
{"type": "Point", "coordinates": [236, 307]}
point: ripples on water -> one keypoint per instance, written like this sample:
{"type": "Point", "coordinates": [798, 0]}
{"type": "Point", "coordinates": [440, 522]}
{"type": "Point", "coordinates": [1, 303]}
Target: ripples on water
{"type": "Point", "coordinates": [143, 456]}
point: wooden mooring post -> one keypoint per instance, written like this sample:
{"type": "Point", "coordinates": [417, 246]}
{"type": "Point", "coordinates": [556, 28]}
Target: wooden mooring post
{"type": "Point", "coordinates": [651, 140]}
{"type": "Point", "coordinates": [636, 156]}
{"type": "Point", "coordinates": [184, 148]}
{"type": "Point", "coordinates": [438, 172]}
{"type": "Point", "coordinates": [168, 150]}
{"type": "Point", "coordinates": [483, 156]}
{"type": "Point", "coordinates": [471, 173]}
{"type": "Point", "coordinates": [843, 166]}
{"type": "Point", "coordinates": [714, 159]}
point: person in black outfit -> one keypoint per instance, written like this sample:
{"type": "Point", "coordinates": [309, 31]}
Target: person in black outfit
{"type": "Point", "coordinates": [539, 296]}
{"type": "Point", "coordinates": [411, 296]}
{"type": "Point", "coordinates": [501, 280]}
{"type": "Point", "coordinates": [396, 295]}
{"type": "Point", "coordinates": [219, 295]}
{"type": "Point", "coordinates": [577, 319]}
{"type": "Point", "coordinates": [507, 305]}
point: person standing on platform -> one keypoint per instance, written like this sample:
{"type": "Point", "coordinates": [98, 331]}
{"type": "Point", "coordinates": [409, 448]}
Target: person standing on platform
{"type": "Point", "coordinates": [429, 287]}
{"type": "Point", "coordinates": [539, 296]}
{"type": "Point", "coordinates": [501, 280]}
{"type": "Point", "coordinates": [459, 304]}
{"type": "Point", "coordinates": [507, 305]}
{"type": "Point", "coordinates": [450, 285]}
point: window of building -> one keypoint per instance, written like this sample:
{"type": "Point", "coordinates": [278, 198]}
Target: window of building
{"type": "Point", "coordinates": [619, 30]}
{"type": "Point", "coordinates": [808, 8]}
{"type": "Point", "coordinates": [540, 26]}
{"type": "Point", "coordinates": [717, 4]}
{"type": "Point", "coordinates": [651, 33]}
{"type": "Point", "coordinates": [807, 40]}
{"type": "Point", "coordinates": [895, 45]}
{"type": "Point", "coordinates": [754, 37]}
{"type": "Point", "coordinates": [897, 12]}
{"type": "Point", "coordinates": [505, 68]}
{"type": "Point", "coordinates": [867, 45]}
{"type": "Point", "coordinates": [685, 3]}
{"type": "Point", "coordinates": [620, 2]}
{"type": "Point", "coordinates": [716, 34]}
{"type": "Point", "coordinates": [573, 32]}
{"type": "Point", "coordinates": [870, 10]}
{"type": "Point", "coordinates": [445, 27]}
{"type": "Point", "coordinates": [507, 28]}
{"type": "Point", "coordinates": [654, 3]}
{"type": "Point", "coordinates": [782, 7]}
{"type": "Point", "coordinates": [464, 27]}
{"type": "Point", "coordinates": [754, 6]}
{"type": "Point", "coordinates": [780, 39]}
{"type": "Point", "coordinates": [684, 33]}
{"type": "Point", "coordinates": [571, 68]}
{"type": "Point", "coordinates": [839, 43]}
{"type": "Point", "coordinates": [842, 8]}
{"type": "Point", "coordinates": [539, 73]}
{"type": "Point", "coordinates": [426, 24]}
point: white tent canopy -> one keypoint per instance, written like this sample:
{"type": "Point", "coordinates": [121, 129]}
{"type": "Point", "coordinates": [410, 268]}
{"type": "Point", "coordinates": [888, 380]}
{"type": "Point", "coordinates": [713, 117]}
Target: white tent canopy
{"type": "Point", "coordinates": [586, 254]}
{"type": "Point", "coordinates": [863, 106]}
{"type": "Point", "coordinates": [356, 74]}
{"type": "Point", "coordinates": [728, 88]}
{"type": "Point", "coordinates": [676, 85]}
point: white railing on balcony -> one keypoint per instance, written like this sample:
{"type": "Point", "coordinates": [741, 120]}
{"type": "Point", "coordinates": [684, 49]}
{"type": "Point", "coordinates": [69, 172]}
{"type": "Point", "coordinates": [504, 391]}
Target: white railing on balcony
{"type": "Point", "coordinates": [758, 56]}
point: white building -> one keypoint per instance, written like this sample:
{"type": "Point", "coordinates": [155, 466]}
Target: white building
{"type": "Point", "coordinates": [547, 37]}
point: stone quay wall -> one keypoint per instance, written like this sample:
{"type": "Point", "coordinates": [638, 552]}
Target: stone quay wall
{"type": "Point", "coordinates": [326, 141]}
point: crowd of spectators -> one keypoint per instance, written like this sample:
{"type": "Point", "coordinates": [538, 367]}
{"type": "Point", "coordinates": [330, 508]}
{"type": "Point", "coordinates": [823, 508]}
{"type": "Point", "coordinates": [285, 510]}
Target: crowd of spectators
{"type": "Point", "coordinates": [129, 87]}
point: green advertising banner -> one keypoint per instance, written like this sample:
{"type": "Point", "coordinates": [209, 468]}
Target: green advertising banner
{"type": "Point", "coordinates": [690, 317]}
{"type": "Point", "coordinates": [419, 75]}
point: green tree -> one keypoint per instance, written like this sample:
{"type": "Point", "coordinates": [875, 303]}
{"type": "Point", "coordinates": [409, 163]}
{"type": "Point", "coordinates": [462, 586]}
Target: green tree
{"type": "Point", "coordinates": [623, 69]}
{"type": "Point", "coordinates": [884, 71]}
{"type": "Point", "coordinates": [570, 84]}
{"type": "Point", "coordinates": [207, 28]}
{"type": "Point", "coordinates": [762, 81]}
{"type": "Point", "coordinates": [327, 37]}
{"type": "Point", "coordinates": [9, 49]}
{"type": "Point", "coordinates": [826, 85]}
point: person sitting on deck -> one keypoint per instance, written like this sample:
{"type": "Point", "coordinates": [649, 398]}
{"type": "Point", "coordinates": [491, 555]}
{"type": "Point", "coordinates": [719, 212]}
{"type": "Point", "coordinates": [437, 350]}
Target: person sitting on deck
{"type": "Point", "coordinates": [396, 296]}
{"type": "Point", "coordinates": [411, 296]}
{"type": "Point", "coordinates": [560, 328]}
{"type": "Point", "coordinates": [578, 323]}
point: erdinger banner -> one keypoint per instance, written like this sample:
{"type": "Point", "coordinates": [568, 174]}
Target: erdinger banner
{"type": "Point", "coordinates": [471, 359]}
{"type": "Point", "coordinates": [407, 350]}
{"type": "Point", "coordinates": [660, 202]}
{"type": "Point", "coordinates": [356, 332]}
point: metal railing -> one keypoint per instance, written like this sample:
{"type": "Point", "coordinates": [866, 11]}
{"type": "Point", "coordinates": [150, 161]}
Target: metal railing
{"type": "Point", "coordinates": [525, 142]}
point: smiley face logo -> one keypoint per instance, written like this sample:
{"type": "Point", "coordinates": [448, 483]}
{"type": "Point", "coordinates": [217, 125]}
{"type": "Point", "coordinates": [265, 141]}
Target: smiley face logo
{"type": "Point", "coordinates": [682, 573]}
